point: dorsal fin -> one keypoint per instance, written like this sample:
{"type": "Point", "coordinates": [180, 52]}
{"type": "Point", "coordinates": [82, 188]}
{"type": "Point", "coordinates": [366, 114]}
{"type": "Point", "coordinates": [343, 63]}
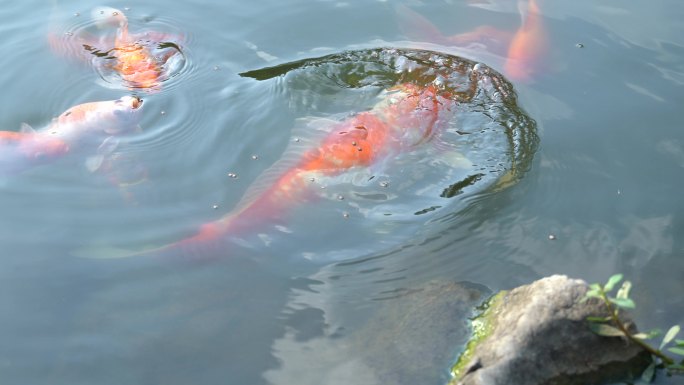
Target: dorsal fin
{"type": "Point", "coordinates": [27, 129]}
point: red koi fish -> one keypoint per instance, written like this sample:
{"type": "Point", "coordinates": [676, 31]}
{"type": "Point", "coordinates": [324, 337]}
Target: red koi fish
{"type": "Point", "coordinates": [405, 118]}
{"type": "Point", "coordinates": [523, 50]}
{"type": "Point", "coordinates": [89, 125]}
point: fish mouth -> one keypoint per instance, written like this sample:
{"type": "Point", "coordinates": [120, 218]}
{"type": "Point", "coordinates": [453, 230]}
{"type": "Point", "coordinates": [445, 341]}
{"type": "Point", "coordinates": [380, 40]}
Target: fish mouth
{"type": "Point", "coordinates": [136, 102]}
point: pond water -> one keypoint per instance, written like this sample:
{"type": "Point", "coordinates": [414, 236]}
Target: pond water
{"type": "Point", "coordinates": [576, 169]}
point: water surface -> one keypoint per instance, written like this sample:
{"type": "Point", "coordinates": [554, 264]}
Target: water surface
{"type": "Point", "coordinates": [605, 181]}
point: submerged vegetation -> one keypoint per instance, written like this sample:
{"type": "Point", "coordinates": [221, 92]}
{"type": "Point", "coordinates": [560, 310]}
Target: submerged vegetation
{"type": "Point", "coordinates": [613, 326]}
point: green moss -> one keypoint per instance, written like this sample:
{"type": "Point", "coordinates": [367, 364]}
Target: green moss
{"type": "Point", "coordinates": [482, 326]}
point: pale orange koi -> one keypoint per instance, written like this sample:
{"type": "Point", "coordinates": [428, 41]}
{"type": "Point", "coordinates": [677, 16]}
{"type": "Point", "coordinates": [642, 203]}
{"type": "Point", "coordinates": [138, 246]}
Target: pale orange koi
{"type": "Point", "coordinates": [524, 50]}
{"type": "Point", "coordinates": [528, 46]}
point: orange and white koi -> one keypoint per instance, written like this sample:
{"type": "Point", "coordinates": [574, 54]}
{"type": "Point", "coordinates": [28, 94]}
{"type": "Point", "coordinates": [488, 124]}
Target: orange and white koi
{"type": "Point", "coordinates": [86, 125]}
{"type": "Point", "coordinates": [134, 61]}
{"type": "Point", "coordinates": [406, 117]}
{"type": "Point", "coordinates": [139, 60]}
{"type": "Point", "coordinates": [523, 50]}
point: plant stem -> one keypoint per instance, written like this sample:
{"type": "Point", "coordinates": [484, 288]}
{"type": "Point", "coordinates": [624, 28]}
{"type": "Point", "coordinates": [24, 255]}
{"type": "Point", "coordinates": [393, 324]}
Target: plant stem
{"type": "Point", "coordinates": [614, 315]}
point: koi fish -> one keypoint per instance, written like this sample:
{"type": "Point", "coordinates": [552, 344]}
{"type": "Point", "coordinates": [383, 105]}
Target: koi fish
{"type": "Point", "coordinates": [139, 60]}
{"type": "Point", "coordinates": [134, 61]}
{"type": "Point", "coordinates": [406, 117]}
{"type": "Point", "coordinates": [86, 125]}
{"type": "Point", "coordinates": [523, 50]}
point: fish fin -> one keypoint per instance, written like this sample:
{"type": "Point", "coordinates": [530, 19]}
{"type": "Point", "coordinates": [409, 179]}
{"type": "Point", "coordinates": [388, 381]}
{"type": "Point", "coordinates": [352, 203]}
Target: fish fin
{"type": "Point", "coordinates": [111, 252]}
{"type": "Point", "coordinates": [93, 163]}
{"type": "Point", "coordinates": [103, 252]}
{"type": "Point", "coordinates": [108, 146]}
{"type": "Point", "coordinates": [27, 129]}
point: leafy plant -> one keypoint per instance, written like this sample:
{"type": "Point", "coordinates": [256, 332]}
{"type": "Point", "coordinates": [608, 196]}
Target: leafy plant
{"type": "Point", "coordinates": [612, 326]}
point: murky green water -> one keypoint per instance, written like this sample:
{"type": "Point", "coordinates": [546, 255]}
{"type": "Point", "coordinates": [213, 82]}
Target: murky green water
{"type": "Point", "coordinates": [304, 299]}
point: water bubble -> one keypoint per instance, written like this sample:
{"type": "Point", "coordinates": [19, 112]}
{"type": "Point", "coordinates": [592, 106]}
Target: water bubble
{"type": "Point", "coordinates": [322, 187]}
{"type": "Point", "coordinates": [115, 13]}
{"type": "Point", "coordinates": [255, 157]}
{"type": "Point", "coordinates": [162, 112]}
{"type": "Point", "coordinates": [127, 8]}
{"type": "Point", "coordinates": [296, 140]}
{"type": "Point", "coordinates": [340, 197]}
{"type": "Point", "coordinates": [216, 68]}
{"type": "Point", "coordinates": [232, 175]}
{"type": "Point", "coordinates": [345, 214]}
{"type": "Point", "coordinates": [214, 207]}
{"type": "Point", "coordinates": [354, 143]}
{"type": "Point", "coordinates": [77, 14]}
{"type": "Point", "coordinates": [69, 33]}
{"type": "Point", "coordinates": [359, 148]}
{"type": "Point", "coordinates": [552, 237]}
{"type": "Point", "coordinates": [312, 179]}
{"type": "Point", "coordinates": [384, 183]}
{"type": "Point", "coordinates": [579, 45]}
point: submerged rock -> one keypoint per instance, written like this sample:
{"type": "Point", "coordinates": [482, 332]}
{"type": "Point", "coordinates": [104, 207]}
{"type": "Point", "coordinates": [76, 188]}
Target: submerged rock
{"type": "Point", "coordinates": [421, 330]}
{"type": "Point", "coordinates": [538, 335]}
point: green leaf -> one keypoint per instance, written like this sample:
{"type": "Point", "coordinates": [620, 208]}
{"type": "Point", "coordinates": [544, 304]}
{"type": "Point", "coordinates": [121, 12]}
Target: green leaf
{"type": "Point", "coordinates": [606, 330]}
{"type": "Point", "coordinates": [624, 303]}
{"type": "Point", "coordinates": [679, 351]}
{"type": "Point", "coordinates": [624, 290]}
{"type": "Point", "coordinates": [647, 375]}
{"type": "Point", "coordinates": [648, 335]}
{"type": "Point", "coordinates": [679, 342]}
{"type": "Point", "coordinates": [669, 336]}
{"type": "Point", "coordinates": [612, 281]}
{"type": "Point", "coordinates": [595, 290]}
{"type": "Point", "coordinates": [599, 319]}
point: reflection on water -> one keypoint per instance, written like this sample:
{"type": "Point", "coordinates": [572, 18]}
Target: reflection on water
{"type": "Point", "coordinates": [605, 181]}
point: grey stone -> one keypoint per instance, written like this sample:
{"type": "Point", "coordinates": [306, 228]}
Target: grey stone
{"type": "Point", "coordinates": [538, 335]}
{"type": "Point", "coordinates": [413, 338]}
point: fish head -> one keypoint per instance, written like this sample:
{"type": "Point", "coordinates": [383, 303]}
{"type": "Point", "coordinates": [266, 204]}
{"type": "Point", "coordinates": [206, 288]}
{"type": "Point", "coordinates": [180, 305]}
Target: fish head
{"type": "Point", "coordinates": [137, 66]}
{"type": "Point", "coordinates": [110, 117]}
